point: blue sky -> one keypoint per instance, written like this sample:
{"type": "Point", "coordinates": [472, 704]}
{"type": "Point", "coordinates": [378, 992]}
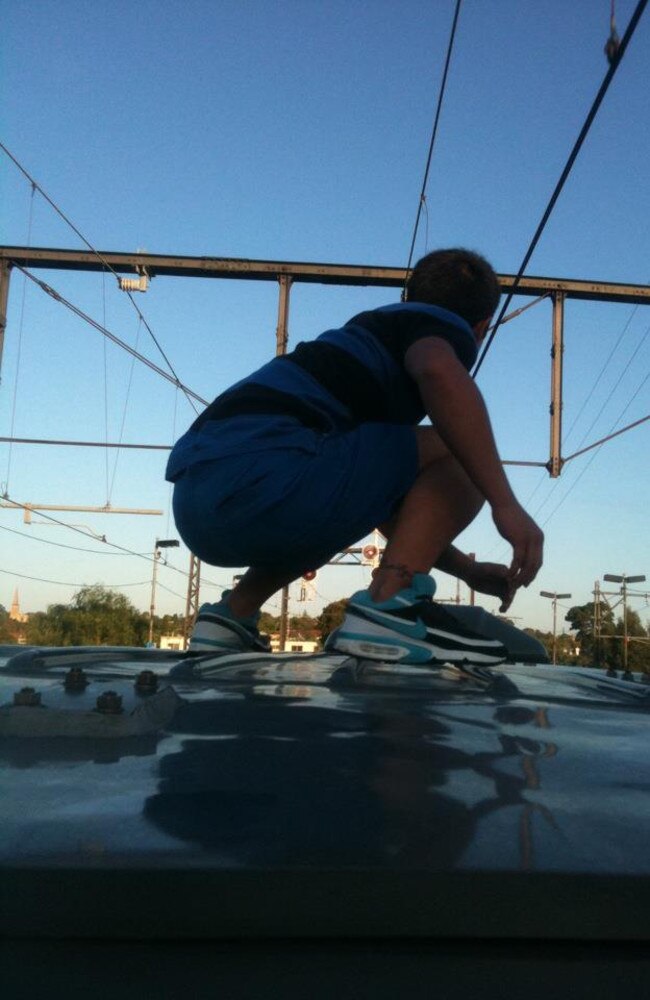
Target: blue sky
{"type": "Point", "coordinates": [299, 131]}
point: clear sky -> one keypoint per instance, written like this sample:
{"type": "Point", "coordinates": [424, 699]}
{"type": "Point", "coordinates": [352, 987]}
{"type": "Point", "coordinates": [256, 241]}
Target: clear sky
{"type": "Point", "coordinates": [299, 131]}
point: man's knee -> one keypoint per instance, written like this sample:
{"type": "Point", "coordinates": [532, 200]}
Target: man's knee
{"type": "Point", "coordinates": [438, 464]}
{"type": "Point", "coordinates": [431, 447]}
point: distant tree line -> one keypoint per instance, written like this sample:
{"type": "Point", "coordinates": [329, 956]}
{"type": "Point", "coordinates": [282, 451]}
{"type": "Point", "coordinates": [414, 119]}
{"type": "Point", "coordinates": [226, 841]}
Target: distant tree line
{"type": "Point", "coordinates": [98, 616]}
{"type": "Point", "coordinates": [604, 646]}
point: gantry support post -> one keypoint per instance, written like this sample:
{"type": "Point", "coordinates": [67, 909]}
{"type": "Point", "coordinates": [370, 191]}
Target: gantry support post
{"type": "Point", "coordinates": [192, 602]}
{"type": "Point", "coordinates": [282, 339]}
{"type": "Point", "coordinates": [557, 350]}
{"type": "Point", "coordinates": [5, 271]}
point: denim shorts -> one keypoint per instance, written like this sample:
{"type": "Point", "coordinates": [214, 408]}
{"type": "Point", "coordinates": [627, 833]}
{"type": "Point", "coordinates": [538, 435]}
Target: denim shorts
{"type": "Point", "coordinates": [286, 497]}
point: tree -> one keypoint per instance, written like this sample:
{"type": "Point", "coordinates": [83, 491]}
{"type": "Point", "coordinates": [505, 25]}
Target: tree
{"type": "Point", "coordinates": [331, 617]}
{"type": "Point", "coordinates": [8, 629]}
{"type": "Point", "coordinates": [305, 626]}
{"type": "Point", "coordinates": [97, 616]}
{"type": "Point", "coordinates": [581, 618]}
{"type": "Point", "coordinates": [269, 624]}
{"type": "Point", "coordinates": [638, 652]}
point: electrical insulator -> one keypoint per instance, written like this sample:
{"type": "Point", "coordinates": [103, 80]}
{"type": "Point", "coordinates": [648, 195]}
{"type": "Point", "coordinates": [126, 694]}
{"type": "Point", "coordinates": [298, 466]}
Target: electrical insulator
{"type": "Point", "coordinates": [612, 46]}
{"type": "Point", "coordinates": [135, 284]}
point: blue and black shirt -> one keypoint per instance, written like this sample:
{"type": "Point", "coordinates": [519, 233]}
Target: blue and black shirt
{"type": "Point", "coordinates": [347, 376]}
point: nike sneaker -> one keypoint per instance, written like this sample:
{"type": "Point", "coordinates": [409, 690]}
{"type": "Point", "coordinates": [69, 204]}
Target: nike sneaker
{"type": "Point", "coordinates": [410, 628]}
{"type": "Point", "coordinates": [216, 628]}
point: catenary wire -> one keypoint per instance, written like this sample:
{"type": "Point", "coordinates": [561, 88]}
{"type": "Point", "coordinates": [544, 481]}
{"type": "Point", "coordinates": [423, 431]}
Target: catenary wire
{"type": "Point", "coordinates": [601, 373]}
{"type": "Point", "coordinates": [598, 446]}
{"type": "Point", "coordinates": [106, 264]}
{"type": "Point", "coordinates": [21, 320]}
{"type": "Point", "coordinates": [434, 130]}
{"type": "Point", "coordinates": [615, 386]}
{"type": "Point", "coordinates": [67, 583]}
{"type": "Point", "coordinates": [124, 410]}
{"type": "Point", "coordinates": [105, 358]}
{"type": "Point", "coordinates": [111, 336]}
{"type": "Point", "coordinates": [60, 545]}
{"type": "Point", "coordinates": [121, 548]}
{"type": "Point", "coordinates": [88, 444]}
{"type": "Point", "coordinates": [614, 64]}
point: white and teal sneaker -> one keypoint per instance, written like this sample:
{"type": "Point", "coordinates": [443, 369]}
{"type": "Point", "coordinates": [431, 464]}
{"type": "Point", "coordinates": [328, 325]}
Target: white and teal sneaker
{"type": "Point", "coordinates": [410, 628]}
{"type": "Point", "coordinates": [217, 629]}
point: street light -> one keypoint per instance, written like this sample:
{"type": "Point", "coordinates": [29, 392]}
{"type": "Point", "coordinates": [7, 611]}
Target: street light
{"type": "Point", "coordinates": [555, 598]}
{"type": "Point", "coordinates": [624, 580]}
{"type": "Point", "coordinates": [161, 543]}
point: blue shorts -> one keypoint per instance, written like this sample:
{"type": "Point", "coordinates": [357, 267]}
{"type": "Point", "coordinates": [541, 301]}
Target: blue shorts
{"type": "Point", "coordinates": [283, 496]}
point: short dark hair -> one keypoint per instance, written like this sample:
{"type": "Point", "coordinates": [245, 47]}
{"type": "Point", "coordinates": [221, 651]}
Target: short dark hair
{"type": "Point", "coordinates": [457, 279]}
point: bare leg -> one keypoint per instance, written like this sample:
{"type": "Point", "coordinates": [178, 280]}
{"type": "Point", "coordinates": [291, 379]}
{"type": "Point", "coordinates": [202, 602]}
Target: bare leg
{"type": "Point", "coordinates": [439, 505]}
{"type": "Point", "coordinates": [254, 588]}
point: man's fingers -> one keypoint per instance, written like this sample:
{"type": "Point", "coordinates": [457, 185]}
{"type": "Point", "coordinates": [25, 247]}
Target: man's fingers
{"type": "Point", "coordinates": [530, 563]}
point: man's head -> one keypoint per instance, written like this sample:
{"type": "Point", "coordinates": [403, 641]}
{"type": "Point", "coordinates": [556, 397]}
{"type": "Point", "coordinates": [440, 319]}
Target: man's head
{"type": "Point", "coordinates": [458, 280]}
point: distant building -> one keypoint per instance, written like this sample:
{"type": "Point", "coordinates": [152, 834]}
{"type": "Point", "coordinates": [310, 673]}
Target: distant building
{"type": "Point", "coordinates": [294, 644]}
{"type": "Point", "coordinates": [172, 642]}
{"type": "Point", "coordinates": [15, 614]}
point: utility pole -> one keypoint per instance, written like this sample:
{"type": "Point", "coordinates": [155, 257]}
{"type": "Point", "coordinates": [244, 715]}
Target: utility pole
{"type": "Point", "coordinates": [192, 600]}
{"type": "Point", "coordinates": [555, 461]}
{"type": "Point", "coordinates": [555, 598]}
{"type": "Point", "coordinates": [161, 543]}
{"type": "Point", "coordinates": [281, 341]}
{"type": "Point", "coordinates": [597, 623]}
{"type": "Point", "coordinates": [624, 580]}
{"type": "Point", "coordinates": [5, 271]}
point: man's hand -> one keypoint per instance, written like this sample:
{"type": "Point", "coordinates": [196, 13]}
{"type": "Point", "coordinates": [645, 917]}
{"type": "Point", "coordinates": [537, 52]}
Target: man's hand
{"type": "Point", "coordinates": [493, 579]}
{"type": "Point", "coordinates": [527, 540]}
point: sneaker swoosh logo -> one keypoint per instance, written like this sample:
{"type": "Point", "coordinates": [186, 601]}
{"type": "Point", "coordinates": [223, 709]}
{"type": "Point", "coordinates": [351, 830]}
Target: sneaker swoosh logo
{"type": "Point", "coordinates": [416, 629]}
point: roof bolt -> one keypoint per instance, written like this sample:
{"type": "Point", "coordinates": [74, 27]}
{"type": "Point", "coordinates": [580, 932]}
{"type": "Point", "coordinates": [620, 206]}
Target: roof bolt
{"type": "Point", "coordinates": [75, 679]}
{"type": "Point", "coordinates": [146, 682]}
{"type": "Point", "coordinates": [27, 696]}
{"type": "Point", "coordinates": [109, 703]}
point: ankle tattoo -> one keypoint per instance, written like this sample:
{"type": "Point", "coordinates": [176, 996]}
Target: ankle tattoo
{"type": "Point", "coordinates": [400, 568]}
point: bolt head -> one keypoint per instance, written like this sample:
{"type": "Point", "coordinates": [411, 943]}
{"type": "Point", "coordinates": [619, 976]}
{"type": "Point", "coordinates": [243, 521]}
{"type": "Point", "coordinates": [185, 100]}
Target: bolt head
{"type": "Point", "coordinates": [109, 703]}
{"type": "Point", "coordinates": [27, 696]}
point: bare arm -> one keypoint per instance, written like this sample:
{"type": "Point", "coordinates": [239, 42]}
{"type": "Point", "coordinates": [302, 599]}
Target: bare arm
{"type": "Point", "coordinates": [456, 408]}
{"type": "Point", "coordinates": [486, 577]}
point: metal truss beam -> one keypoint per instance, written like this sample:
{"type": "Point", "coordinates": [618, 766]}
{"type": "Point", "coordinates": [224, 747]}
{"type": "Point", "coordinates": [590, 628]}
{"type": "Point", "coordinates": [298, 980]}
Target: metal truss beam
{"type": "Point", "coordinates": [271, 270]}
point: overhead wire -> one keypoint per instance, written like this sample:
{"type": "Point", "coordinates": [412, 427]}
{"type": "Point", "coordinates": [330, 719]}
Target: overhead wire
{"type": "Point", "coordinates": [611, 434]}
{"type": "Point", "coordinates": [434, 131]}
{"type": "Point", "coordinates": [14, 402]}
{"type": "Point", "coordinates": [60, 545]}
{"type": "Point", "coordinates": [105, 263]}
{"type": "Point", "coordinates": [105, 541]}
{"type": "Point", "coordinates": [121, 549]}
{"type": "Point", "coordinates": [68, 583]}
{"type": "Point", "coordinates": [105, 354]}
{"type": "Point", "coordinates": [615, 386]}
{"type": "Point", "coordinates": [598, 445]}
{"type": "Point", "coordinates": [583, 406]}
{"type": "Point", "coordinates": [613, 66]}
{"type": "Point", "coordinates": [601, 373]}
{"type": "Point", "coordinates": [111, 336]}
{"type": "Point", "coordinates": [124, 410]}
{"type": "Point", "coordinates": [87, 444]}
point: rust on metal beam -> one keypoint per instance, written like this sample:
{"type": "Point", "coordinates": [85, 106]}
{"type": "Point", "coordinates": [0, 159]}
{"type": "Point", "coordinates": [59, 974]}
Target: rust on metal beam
{"type": "Point", "coordinates": [317, 273]}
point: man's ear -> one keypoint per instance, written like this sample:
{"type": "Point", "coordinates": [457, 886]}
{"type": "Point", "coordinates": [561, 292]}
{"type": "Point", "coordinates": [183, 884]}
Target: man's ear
{"type": "Point", "coordinates": [481, 328]}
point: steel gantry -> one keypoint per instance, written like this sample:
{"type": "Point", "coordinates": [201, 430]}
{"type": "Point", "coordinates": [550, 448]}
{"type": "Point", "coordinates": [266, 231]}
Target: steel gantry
{"type": "Point", "coordinates": [286, 273]}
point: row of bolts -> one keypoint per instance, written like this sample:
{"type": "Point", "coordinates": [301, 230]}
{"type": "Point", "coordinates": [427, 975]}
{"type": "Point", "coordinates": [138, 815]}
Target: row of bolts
{"type": "Point", "coordinates": [108, 703]}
